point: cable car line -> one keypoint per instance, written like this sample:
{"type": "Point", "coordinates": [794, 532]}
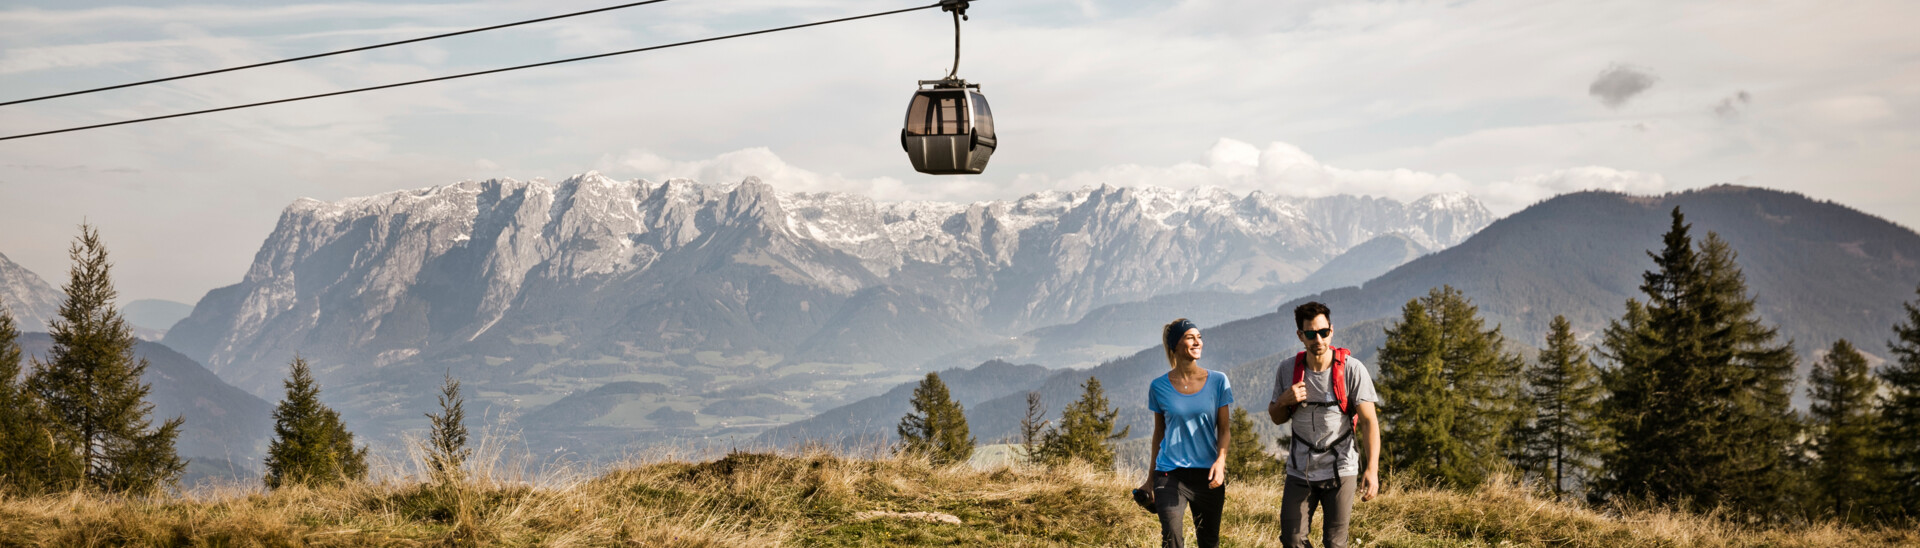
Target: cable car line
{"type": "Point", "coordinates": [327, 54]}
{"type": "Point", "coordinates": [478, 73]}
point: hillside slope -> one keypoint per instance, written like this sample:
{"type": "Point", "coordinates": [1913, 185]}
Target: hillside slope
{"type": "Point", "coordinates": [222, 422]}
{"type": "Point", "coordinates": [751, 499]}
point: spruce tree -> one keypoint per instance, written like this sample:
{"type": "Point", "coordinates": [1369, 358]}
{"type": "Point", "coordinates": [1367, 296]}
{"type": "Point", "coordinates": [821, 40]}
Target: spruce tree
{"type": "Point", "coordinates": [937, 427]}
{"type": "Point", "coordinates": [447, 450]}
{"type": "Point", "coordinates": [1700, 395]}
{"type": "Point", "coordinates": [1032, 425]}
{"type": "Point", "coordinates": [1563, 440]}
{"type": "Point", "coordinates": [1452, 393]}
{"type": "Point", "coordinates": [1845, 425]}
{"type": "Point", "coordinates": [1245, 456]}
{"type": "Point", "coordinates": [29, 461]}
{"type": "Point", "coordinates": [1900, 417]}
{"type": "Point", "coordinates": [1085, 431]}
{"type": "Point", "coordinates": [90, 385]}
{"type": "Point", "coordinates": [1417, 411]}
{"type": "Point", "coordinates": [310, 445]}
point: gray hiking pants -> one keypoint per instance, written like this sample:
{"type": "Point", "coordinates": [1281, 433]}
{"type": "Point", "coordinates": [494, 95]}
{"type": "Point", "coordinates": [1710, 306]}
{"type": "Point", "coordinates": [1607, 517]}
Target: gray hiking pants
{"type": "Point", "coordinates": [1334, 497]}
{"type": "Point", "coordinates": [1172, 491]}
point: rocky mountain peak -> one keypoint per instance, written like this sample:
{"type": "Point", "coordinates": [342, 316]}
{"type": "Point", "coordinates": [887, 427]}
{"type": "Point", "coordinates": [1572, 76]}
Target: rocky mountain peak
{"type": "Point", "coordinates": [681, 265]}
{"type": "Point", "coordinates": [27, 297]}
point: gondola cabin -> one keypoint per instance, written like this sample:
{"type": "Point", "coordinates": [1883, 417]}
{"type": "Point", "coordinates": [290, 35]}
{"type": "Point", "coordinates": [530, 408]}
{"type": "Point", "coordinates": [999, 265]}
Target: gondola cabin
{"type": "Point", "coordinates": [949, 128]}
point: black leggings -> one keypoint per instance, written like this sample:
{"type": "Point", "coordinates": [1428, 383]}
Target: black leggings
{"type": "Point", "coordinates": [1171, 493]}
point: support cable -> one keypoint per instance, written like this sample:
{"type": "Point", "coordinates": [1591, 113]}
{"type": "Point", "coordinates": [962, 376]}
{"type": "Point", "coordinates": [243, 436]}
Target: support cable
{"type": "Point", "coordinates": [479, 73]}
{"type": "Point", "coordinates": [327, 54]}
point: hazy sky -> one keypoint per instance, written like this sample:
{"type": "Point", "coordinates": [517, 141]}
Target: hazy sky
{"type": "Point", "coordinates": [1513, 101]}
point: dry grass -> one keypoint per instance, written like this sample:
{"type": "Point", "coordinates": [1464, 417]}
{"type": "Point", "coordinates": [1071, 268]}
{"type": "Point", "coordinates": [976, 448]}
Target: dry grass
{"type": "Point", "coordinates": [816, 498]}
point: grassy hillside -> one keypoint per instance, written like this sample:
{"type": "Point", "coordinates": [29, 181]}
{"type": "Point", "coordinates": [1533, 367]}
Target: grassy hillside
{"type": "Point", "coordinates": [818, 499]}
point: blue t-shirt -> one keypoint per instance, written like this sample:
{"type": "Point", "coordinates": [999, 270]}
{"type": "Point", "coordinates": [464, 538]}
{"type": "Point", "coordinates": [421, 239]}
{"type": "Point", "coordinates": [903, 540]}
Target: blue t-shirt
{"type": "Point", "coordinates": [1191, 440]}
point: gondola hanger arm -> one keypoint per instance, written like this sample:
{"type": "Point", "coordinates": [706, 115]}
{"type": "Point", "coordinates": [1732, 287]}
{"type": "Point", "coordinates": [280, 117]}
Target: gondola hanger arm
{"type": "Point", "coordinates": [959, 9]}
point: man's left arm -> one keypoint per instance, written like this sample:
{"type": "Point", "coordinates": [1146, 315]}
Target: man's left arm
{"type": "Point", "coordinates": [1370, 473]}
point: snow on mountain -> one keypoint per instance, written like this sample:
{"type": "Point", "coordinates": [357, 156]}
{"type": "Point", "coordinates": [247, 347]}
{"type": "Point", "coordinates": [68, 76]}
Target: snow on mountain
{"type": "Point", "coordinates": [29, 299]}
{"type": "Point", "coordinates": [616, 269]}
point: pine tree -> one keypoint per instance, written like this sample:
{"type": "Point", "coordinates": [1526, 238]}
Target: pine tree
{"type": "Point", "coordinates": [1900, 417]}
{"type": "Point", "coordinates": [447, 450]}
{"type": "Point", "coordinates": [90, 385]}
{"type": "Point", "coordinates": [1842, 389]}
{"type": "Point", "coordinates": [1085, 431]}
{"type": "Point", "coordinates": [1452, 394]}
{"type": "Point", "coordinates": [1245, 456]}
{"type": "Point", "coordinates": [1418, 412]}
{"type": "Point", "coordinates": [1032, 425]}
{"type": "Point", "coordinates": [310, 445]}
{"type": "Point", "coordinates": [1563, 440]}
{"type": "Point", "coordinates": [1700, 396]}
{"type": "Point", "coordinates": [29, 461]}
{"type": "Point", "coordinates": [937, 427]}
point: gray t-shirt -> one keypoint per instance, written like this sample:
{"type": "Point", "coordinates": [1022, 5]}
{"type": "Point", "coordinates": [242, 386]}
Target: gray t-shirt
{"type": "Point", "coordinates": [1319, 425]}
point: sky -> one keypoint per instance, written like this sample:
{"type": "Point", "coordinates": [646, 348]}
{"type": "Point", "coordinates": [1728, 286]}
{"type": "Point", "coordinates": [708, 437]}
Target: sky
{"type": "Point", "coordinates": [1510, 101]}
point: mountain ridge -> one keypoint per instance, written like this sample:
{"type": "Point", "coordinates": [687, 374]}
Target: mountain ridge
{"type": "Point", "coordinates": [1818, 270]}
{"type": "Point", "coordinates": [27, 297]}
{"type": "Point", "coordinates": [427, 272]}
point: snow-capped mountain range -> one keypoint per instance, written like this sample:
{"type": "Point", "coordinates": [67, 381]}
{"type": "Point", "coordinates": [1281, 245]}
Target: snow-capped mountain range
{"type": "Point", "coordinates": [595, 270]}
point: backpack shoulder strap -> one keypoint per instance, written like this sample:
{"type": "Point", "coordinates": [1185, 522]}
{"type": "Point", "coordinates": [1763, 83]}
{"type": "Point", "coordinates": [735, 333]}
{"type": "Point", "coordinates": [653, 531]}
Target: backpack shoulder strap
{"type": "Point", "coordinates": [1339, 378]}
{"type": "Point", "coordinates": [1299, 368]}
{"type": "Point", "coordinates": [1299, 371]}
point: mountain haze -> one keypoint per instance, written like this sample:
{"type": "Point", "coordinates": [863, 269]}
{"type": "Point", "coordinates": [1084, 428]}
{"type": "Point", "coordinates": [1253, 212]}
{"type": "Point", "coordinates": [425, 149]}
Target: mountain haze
{"type": "Point", "coordinates": [152, 317]}
{"type": "Point", "coordinates": [1818, 270]}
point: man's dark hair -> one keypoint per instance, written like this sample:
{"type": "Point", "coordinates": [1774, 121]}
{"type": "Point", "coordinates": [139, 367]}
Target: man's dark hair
{"type": "Point", "coordinates": [1305, 313]}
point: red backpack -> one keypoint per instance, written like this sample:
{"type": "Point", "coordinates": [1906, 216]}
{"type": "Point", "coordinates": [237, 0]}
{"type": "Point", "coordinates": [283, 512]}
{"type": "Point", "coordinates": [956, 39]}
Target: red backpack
{"type": "Point", "coordinates": [1339, 380]}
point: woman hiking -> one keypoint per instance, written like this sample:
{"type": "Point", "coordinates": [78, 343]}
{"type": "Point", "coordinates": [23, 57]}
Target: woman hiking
{"type": "Point", "coordinates": [1190, 439]}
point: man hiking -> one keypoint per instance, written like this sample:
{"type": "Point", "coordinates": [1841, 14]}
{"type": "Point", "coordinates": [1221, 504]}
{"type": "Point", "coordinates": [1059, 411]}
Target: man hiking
{"type": "Point", "coordinates": [1328, 397]}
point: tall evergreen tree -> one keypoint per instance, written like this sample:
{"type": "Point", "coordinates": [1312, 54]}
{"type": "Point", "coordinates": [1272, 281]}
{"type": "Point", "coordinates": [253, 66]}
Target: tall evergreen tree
{"type": "Point", "coordinates": [447, 449]}
{"type": "Point", "coordinates": [310, 445]}
{"type": "Point", "coordinates": [1418, 412]}
{"type": "Point", "coordinates": [1562, 442]}
{"type": "Point", "coordinates": [1845, 426]}
{"type": "Point", "coordinates": [937, 427]}
{"type": "Point", "coordinates": [1900, 417]}
{"type": "Point", "coordinates": [90, 384]}
{"type": "Point", "coordinates": [1245, 456]}
{"type": "Point", "coordinates": [1700, 394]}
{"type": "Point", "coordinates": [1452, 394]}
{"type": "Point", "coordinates": [30, 463]}
{"type": "Point", "coordinates": [1085, 431]}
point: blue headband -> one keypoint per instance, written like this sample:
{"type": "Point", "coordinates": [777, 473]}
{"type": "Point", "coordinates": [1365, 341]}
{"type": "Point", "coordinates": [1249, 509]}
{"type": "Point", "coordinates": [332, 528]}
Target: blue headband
{"type": "Point", "coordinates": [1178, 332]}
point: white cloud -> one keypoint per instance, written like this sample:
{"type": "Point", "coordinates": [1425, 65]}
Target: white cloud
{"type": "Point", "coordinates": [1280, 168]}
{"type": "Point", "coordinates": [732, 167]}
{"type": "Point", "coordinates": [1286, 169]}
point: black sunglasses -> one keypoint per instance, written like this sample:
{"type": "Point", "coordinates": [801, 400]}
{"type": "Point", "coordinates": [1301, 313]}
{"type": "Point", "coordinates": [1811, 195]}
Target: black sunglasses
{"type": "Point", "coordinates": [1324, 333]}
